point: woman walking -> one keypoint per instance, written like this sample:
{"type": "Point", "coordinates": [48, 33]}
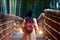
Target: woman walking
{"type": "Point", "coordinates": [29, 27]}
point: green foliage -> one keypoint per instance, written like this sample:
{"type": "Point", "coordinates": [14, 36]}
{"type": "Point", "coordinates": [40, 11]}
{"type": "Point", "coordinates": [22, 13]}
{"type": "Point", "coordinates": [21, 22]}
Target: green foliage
{"type": "Point", "coordinates": [20, 7]}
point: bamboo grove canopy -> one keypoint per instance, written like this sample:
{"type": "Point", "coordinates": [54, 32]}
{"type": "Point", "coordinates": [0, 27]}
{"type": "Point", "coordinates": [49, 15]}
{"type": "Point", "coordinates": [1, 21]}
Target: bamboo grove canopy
{"type": "Point", "coordinates": [20, 7]}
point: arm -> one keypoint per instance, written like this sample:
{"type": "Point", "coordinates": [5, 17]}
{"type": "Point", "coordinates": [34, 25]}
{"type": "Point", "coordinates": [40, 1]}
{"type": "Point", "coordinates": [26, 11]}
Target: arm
{"type": "Point", "coordinates": [35, 24]}
{"type": "Point", "coordinates": [23, 23]}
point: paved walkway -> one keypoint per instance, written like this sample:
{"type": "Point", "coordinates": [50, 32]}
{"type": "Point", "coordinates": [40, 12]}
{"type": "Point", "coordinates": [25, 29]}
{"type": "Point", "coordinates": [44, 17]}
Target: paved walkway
{"type": "Point", "coordinates": [18, 36]}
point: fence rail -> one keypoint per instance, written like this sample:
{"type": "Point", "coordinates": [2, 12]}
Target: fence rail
{"type": "Point", "coordinates": [7, 30]}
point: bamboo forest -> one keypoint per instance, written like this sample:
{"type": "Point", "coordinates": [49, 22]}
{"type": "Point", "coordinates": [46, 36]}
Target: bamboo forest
{"type": "Point", "coordinates": [29, 19]}
{"type": "Point", "coordinates": [20, 7]}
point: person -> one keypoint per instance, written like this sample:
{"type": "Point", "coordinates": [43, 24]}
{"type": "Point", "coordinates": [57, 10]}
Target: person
{"type": "Point", "coordinates": [31, 36]}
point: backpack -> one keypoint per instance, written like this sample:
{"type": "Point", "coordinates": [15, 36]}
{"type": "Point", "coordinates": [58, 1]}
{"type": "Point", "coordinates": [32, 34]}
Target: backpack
{"type": "Point", "coordinates": [28, 26]}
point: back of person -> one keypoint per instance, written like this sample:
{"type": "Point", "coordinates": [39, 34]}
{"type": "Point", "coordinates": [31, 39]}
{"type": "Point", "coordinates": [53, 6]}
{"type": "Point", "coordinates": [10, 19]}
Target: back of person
{"type": "Point", "coordinates": [29, 32]}
{"type": "Point", "coordinates": [29, 25]}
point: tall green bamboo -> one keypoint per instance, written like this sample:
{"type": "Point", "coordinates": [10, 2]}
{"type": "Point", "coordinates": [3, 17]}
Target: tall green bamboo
{"type": "Point", "coordinates": [13, 7]}
{"type": "Point", "coordinates": [10, 8]}
{"type": "Point", "coordinates": [4, 7]}
{"type": "Point", "coordinates": [17, 7]}
{"type": "Point", "coordinates": [1, 6]}
{"type": "Point", "coordinates": [20, 7]}
{"type": "Point", "coordinates": [34, 8]}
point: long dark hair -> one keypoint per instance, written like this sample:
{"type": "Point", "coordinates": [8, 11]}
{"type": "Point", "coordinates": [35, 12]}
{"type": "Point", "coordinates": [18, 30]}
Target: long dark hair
{"type": "Point", "coordinates": [29, 15]}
